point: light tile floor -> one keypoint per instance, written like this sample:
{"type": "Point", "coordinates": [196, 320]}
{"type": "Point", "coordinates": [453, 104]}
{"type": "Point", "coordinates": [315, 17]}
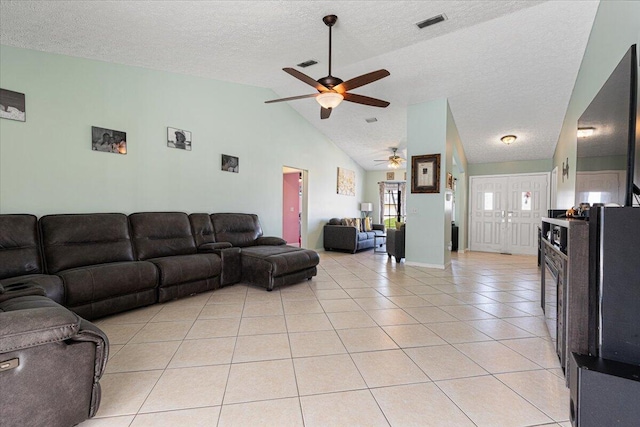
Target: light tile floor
{"type": "Point", "coordinates": [367, 342]}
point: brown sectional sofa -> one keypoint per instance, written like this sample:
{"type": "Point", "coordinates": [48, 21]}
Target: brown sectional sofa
{"type": "Point", "coordinates": [105, 263]}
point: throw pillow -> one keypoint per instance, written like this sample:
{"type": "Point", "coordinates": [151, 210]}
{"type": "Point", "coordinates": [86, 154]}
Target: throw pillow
{"type": "Point", "coordinates": [358, 223]}
{"type": "Point", "coordinates": [335, 221]}
{"type": "Point", "coordinates": [367, 223]}
{"type": "Point", "coordinates": [348, 221]}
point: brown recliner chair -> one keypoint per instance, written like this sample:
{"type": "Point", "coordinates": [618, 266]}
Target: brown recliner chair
{"type": "Point", "coordinates": [50, 363]}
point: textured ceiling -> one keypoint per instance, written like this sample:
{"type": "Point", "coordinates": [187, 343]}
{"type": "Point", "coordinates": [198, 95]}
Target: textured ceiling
{"type": "Point", "coordinates": [507, 67]}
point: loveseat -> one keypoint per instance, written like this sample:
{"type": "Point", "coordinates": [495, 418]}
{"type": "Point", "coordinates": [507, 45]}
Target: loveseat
{"type": "Point", "coordinates": [105, 263]}
{"type": "Point", "coordinates": [339, 236]}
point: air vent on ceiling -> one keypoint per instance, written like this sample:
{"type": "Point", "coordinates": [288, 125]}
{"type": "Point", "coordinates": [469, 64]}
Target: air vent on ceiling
{"type": "Point", "coordinates": [308, 63]}
{"type": "Point", "coordinates": [371, 120]}
{"type": "Point", "coordinates": [431, 21]}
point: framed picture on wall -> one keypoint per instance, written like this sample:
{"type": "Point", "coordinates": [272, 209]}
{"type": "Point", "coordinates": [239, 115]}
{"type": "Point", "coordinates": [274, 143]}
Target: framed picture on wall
{"type": "Point", "coordinates": [425, 173]}
{"type": "Point", "coordinates": [108, 140]}
{"type": "Point", "coordinates": [449, 181]}
{"type": "Point", "coordinates": [12, 105]}
{"type": "Point", "coordinates": [391, 176]}
{"type": "Point", "coordinates": [230, 163]}
{"type": "Point", "coordinates": [178, 138]}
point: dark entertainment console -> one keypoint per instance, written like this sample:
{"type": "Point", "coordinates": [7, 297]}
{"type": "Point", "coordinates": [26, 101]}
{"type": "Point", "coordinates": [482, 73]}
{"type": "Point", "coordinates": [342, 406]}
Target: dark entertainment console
{"type": "Point", "coordinates": [591, 299]}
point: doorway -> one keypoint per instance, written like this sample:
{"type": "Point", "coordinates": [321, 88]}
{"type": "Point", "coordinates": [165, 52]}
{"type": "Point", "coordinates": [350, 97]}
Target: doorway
{"type": "Point", "coordinates": [505, 212]}
{"type": "Point", "coordinates": [294, 206]}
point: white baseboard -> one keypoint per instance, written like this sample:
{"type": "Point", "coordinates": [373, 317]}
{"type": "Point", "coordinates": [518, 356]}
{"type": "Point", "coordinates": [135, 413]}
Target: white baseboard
{"type": "Point", "coordinates": [425, 265]}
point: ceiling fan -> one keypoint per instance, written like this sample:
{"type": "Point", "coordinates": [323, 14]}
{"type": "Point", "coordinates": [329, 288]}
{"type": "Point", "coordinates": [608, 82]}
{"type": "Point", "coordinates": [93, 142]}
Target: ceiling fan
{"type": "Point", "coordinates": [332, 90]}
{"type": "Point", "coordinates": [394, 160]}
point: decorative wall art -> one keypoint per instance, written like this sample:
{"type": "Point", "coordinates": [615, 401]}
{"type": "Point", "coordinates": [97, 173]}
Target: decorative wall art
{"type": "Point", "coordinates": [565, 170]}
{"type": "Point", "coordinates": [108, 140]}
{"type": "Point", "coordinates": [425, 173]}
{"type": "Point", "coordinates": [230, 163]}
{"type": "Point", "coordinates": [346, 182]}
{"type": "Point", "coordinates": [391, 176]}
{"type": "Point", "coordinates": [178, 138]}
{"type": "Point", "coordinates": [449, 181]}
{"type": "Point", "coordinates": [12, 105]}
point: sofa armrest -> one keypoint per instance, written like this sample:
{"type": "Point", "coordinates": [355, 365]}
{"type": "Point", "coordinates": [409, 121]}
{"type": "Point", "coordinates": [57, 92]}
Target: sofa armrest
{"type": "Point", "coordinates": [340, 237]}
{"type": "Point", "coordinates": [15, 290]}
{"type": "Point", "coordinates": [213, 247]}
{"type": "Point", "coordinates": [270, 241]}
{"type": "Point", "coordinates": [34, 320]}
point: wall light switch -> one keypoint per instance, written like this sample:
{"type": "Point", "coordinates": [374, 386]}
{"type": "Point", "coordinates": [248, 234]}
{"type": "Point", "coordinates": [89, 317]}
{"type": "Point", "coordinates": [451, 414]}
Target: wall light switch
{"type": "Point", "coordinates": [414, 210]}
{"type": "Point", "coordinates": [291, 209]}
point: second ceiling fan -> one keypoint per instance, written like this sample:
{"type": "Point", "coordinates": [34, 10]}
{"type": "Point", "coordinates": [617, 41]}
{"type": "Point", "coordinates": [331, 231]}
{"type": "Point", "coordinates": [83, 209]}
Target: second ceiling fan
{"type": "Point", "coordinates": [332, 90]}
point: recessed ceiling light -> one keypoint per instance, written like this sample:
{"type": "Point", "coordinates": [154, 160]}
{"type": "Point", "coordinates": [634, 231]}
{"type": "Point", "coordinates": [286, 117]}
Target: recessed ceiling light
{"type": "Point", "coordinates": [508, 139]}
{"type": "Point", "coordinates": [308, 63]}
{"type": "Point", "coordinates": [371, 120]}
{"type": "Point", "coordinates": [431, 21]}
{"type": "Point", "coordinates": [585, 132]}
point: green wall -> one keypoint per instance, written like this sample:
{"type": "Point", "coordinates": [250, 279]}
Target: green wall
{"type": "Point", "coordinates": [616, 27]}
{"type": "Point", "coordinates": [501, 168]}
{"type": "Point", "coordinates": [427, 134]}
{"type": "Point", "coordinates": [604, 163]}
{"type": "Point", "coordinates": [47, 165]}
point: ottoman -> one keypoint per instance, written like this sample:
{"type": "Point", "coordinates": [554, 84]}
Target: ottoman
{"type": "Point", "coordinates": [270, 266]}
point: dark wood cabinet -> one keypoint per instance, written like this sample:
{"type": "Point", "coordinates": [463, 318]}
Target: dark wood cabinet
{"type": "Point", "coordinates": [565, 284]}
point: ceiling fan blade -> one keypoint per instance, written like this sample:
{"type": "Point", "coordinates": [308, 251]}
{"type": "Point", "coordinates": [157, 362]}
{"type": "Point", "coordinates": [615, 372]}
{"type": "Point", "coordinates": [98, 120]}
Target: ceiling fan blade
{"type": "Point", "coordinates": [308, 80]}
{"type": "Point", "coordinates": [325, 112]}
{"type": "Point", "coordinates": [366, 100]}
{"type": "Point", "coordinates": [362, 80]}
{"type": "Point", "coordinates": [291, 98]}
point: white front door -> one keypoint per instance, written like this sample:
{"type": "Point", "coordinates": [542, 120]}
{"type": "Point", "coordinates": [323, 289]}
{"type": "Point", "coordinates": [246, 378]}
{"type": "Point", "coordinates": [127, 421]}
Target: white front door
{"type": "Point", "coordinates": [505, 212]}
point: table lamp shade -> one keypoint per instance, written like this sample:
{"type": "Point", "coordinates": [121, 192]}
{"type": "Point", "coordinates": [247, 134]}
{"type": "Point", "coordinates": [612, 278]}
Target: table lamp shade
{"type": "Point", "coordinates": [366, 207]}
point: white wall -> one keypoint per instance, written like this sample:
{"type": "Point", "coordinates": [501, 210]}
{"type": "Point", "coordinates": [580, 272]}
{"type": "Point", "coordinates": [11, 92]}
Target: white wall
{"type": "Point", "coordinates": [47, 165]}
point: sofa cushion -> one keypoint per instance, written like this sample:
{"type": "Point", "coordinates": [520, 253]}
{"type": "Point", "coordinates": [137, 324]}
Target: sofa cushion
{"type": "Point", "coordinates": [159, 234]}
{"type": "Point", "coordinates": [335, 221]}
{"type": "Point", "coordinates": [236, 228]}
{"type": "Point", "coordinates": [99, 282]}
{"type": "Point", "coordinates": [77, 240]}
{"type": "Point", "coordinates": [187, 268]}
{"type": "Point", "coordinates": [364, 236]}
{"type": "Point", "coordinates": [19, 253]}
{"type": "Point", "coordinates": [202, 229]}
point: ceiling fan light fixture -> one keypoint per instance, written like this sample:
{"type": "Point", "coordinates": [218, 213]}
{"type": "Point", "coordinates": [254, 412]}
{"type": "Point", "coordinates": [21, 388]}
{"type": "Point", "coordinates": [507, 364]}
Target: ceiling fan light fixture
{"type": "Point", "coordinates": [394, 164]}
{"type": "Point", "coordinates": [508, 139]}
{"type": "Point", "coordinates": [329, 99]}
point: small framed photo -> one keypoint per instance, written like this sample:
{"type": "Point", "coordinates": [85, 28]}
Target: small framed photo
{"type": "Point", "coordinates": [108, 140]}
{"type": "Point", "coordinates": [178, 138]}
{"type": "Point", "coordinates": [230, 163]}
{"type": "Point", "coordinates": [12, 105]}
{"type": "Point", "coordinates": [391, 176]}
{"type": "Point", "coordinates": [425, 173]}
{"type": "Point", "coordinates": [449, 181]}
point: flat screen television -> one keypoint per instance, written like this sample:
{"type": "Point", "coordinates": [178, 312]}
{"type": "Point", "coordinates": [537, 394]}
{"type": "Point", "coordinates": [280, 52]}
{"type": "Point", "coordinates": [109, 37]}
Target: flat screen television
{"type": "Point", "coordinates": [608, 160]}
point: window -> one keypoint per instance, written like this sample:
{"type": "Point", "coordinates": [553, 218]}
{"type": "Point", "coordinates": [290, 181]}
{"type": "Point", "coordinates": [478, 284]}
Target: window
{"type": "Point", "coordinates": [488, 201]}
{"type": "Point", "coordinates": [526, 201]}
{"type": "Point", "coordinates": [391, 199]}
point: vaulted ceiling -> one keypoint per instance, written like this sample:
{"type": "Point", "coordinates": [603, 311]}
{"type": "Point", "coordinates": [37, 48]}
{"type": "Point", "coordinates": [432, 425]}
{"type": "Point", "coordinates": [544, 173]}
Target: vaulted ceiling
{"type": "Point", "coordinates": [506, 67]}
